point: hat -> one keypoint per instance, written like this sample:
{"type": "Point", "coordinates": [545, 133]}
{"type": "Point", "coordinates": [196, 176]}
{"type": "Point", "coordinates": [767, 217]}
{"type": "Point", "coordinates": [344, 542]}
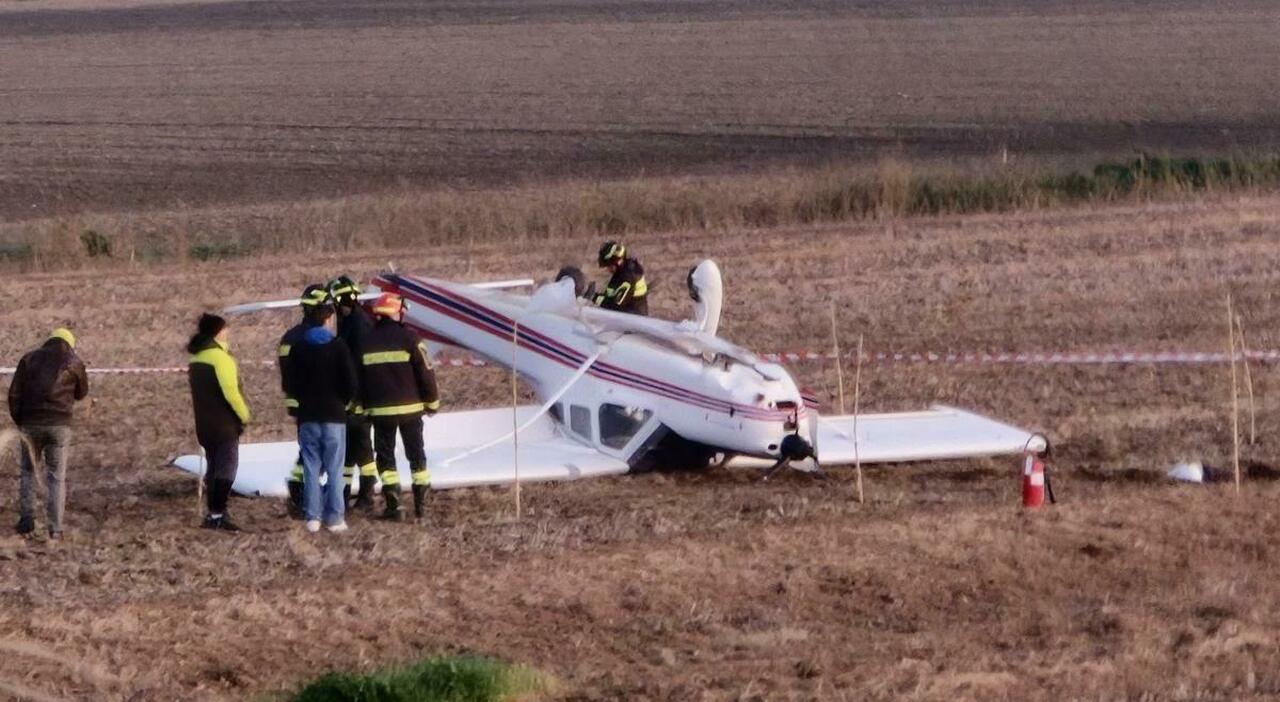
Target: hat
{"type": "Point", "coordinates": [64, 334]}
{"type": "Point", "coordinates": [388, 305]}
{"type": "Point", "coordinates": [211, 324]}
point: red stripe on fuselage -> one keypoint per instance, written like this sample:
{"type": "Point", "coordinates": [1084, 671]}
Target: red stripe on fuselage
{"type": "Point", "coordinates": [607, 372]}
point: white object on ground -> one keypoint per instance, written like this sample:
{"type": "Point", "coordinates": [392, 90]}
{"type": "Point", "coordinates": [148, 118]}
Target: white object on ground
{"type": "Point", "coordinates": [1192, 472]}
{"type": "Point", "coordinates": [544, 455]}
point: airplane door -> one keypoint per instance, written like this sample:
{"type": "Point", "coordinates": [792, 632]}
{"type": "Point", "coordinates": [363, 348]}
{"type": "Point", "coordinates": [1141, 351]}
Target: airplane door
{"type": "Point", "coordinates": [622, 429]}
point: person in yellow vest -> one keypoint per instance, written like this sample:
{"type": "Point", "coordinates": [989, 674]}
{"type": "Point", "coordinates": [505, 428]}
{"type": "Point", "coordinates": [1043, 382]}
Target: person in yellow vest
{"type": "Point", "coordinates": [397, 387]}
{"type": "Point", "coordinates": [221, 415]}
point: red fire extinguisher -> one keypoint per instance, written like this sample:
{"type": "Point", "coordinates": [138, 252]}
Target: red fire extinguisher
{"type": "Point", "coordinates": [1035, 474]}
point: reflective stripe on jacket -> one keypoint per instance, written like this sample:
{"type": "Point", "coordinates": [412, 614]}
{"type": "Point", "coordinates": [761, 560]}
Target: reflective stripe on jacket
{"type": "Point", "coordinates": [627, 289]}
{"type": "Point", "coordinates": [395, 377]}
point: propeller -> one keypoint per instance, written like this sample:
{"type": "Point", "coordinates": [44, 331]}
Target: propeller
{"type": "Point", "coordinates": [793, 447]}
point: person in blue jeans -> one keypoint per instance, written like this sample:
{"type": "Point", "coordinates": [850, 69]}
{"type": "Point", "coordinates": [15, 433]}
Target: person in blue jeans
{"type": "Point", "coordinates": [321, 376]}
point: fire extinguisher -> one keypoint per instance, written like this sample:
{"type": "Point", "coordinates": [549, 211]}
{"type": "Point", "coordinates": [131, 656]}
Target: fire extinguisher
{"type": "Point", "coordinates": [1035, 475]}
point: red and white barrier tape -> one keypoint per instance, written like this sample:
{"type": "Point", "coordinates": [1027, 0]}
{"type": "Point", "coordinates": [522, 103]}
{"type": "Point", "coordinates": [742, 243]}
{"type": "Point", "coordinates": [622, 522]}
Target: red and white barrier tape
{"type": "Point", "coordinates": [1018, 358]}
{"type": "Point", "coordinates": [1036, 358]}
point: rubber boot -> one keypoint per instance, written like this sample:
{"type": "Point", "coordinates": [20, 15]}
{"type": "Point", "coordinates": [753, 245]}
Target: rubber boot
{"type": "Point", "coordinates": [364, 500]}
{"type": "Point", "coordinates": [420, 501]}
{"type": "Point", "coordinates": [26, 526]}
{"type": "Point", "coordinates": [295, 499]}
{"type": "Point", "coordinates": [391, 496]}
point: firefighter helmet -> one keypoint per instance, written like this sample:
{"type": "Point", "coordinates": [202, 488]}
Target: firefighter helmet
{"type": "Point", "coordinates": [344, 290]}
{"type": "Point", "coordinates": [611, 251]}
{"type": "Point", "coordinates": [388, 305]}
{"type": "Point", "coordinates": [315, 295]}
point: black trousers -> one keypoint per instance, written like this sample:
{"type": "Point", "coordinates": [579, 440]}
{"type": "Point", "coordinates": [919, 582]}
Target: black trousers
{"type": "Point", "coordinates": [384, 441]}
{"type": "Point", "coordinates": [359, 446]}
{"type": "Point", "coordinates": [222, 461]}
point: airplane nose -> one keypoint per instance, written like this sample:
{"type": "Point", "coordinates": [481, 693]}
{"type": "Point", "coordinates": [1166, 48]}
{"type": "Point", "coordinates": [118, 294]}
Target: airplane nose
{"type": "Point", "coordinates": [795, 447]}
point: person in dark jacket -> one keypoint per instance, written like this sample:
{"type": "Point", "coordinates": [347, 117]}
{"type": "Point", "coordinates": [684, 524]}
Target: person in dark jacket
{"type": "Point", "coordinates": [322, 377]}
{"type": "Point", "coordinates": [627, 290]}
{"type": "Point", "coordinates": [397, 386]}
{"type": "Point", "coordinates": [315, 302]}
{"type": "Point", "coordinates": [46, 385]}
{"type": "Point", "coordinates": [220, 413]}
{"type": "Point", "coordinates": [354, 324]}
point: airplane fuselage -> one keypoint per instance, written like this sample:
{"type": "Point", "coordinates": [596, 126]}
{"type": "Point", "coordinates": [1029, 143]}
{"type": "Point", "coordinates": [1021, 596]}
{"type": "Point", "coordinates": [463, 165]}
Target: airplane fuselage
{"type": "Point", "coordinates": [615, 392]}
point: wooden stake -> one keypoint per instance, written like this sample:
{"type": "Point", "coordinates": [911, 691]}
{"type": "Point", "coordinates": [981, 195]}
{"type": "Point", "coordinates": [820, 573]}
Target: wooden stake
{"type": "Point", "coordinates": [200, 485]}
{"type": "Point", "coordinates": [1235, 393]}
{"type": "Point", "coordinates": [515, 418]}
{"type": "Point", "coordinates": [857, 394]}
{"type": "Point", "coordinates": [835, 343]}
{"type": "Point", "coordinates": [1248, 382]}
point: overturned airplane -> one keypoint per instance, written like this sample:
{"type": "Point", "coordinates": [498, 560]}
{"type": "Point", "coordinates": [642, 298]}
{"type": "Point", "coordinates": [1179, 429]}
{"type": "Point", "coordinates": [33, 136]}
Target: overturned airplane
{"type": "Point", "coordinates": [622, 393]}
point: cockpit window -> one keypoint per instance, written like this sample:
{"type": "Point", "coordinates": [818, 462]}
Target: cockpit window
{"type": "Point", "coordinates": [618, 424]}
{"type": "Point", "coordinates": [580, 421]}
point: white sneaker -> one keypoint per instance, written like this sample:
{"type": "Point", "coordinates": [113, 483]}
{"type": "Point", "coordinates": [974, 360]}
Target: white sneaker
{"type": "Point", "coordinates": [313, 525]}
{"type": "Point", "coordinates": [337, 528]}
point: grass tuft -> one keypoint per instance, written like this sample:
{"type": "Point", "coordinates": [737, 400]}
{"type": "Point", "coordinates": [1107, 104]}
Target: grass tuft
{"type": "Point", "coordinates": [443, 679]}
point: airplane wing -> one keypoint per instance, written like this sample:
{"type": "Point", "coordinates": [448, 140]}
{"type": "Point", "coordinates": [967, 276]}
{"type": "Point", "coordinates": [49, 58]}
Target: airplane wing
{"type": "Point", "coordinates": [682, 335]}
{"type": "Point", "coordinates": [544, 455]}
{"type": "Point", "coordinates": [938, 433]}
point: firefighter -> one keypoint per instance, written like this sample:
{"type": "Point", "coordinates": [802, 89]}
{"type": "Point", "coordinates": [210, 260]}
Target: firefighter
{"type": "Point", "coordinates": [626, 290]}
{"type": "Point", "coordinates": [316, 303]}
{"type": "Point", "coordinates": [354, 324]}
{"type": "Point", "coordinates": [398, 387]}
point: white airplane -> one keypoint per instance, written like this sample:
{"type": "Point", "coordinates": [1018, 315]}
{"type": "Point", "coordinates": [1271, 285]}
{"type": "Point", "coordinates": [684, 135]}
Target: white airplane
{"type": "Point", "coordinates": [622, 393]}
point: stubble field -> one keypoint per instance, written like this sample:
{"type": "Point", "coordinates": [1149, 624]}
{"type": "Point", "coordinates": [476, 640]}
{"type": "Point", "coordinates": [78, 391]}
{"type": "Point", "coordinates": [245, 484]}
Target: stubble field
{"type": "Point", "coordinates": [713, 585]}
{"type": "Point", "coordinates": [142, 105]}
{"type": "Point", "coordinates": [668, 586]}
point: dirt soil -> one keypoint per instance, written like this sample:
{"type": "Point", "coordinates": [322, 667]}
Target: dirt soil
{"type": "Point", "coordinates": [713, 585]}
{"type": "Point", "coordinates": [138, 104]}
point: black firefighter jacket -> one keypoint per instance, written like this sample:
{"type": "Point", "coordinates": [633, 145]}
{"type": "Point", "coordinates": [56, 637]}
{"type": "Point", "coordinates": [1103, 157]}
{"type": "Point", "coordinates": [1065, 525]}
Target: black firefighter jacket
{"type": "Point", "coordinates": [395, 378]}
{"type": "Point", "coordinates": [627, 290]}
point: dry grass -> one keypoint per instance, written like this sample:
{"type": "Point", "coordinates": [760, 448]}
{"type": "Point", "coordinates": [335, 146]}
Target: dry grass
{"type": "Point", "coordinates": [714, 586]}
{"type": "Point", "coordinates": [534, 215]}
